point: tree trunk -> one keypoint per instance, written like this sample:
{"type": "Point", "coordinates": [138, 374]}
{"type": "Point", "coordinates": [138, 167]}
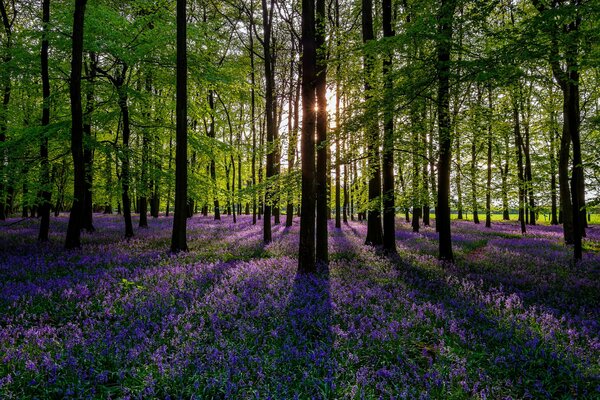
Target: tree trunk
{"type": "Point", "coordinates": [374, 229]}
{"type": "Point", "coordinates": [553, 137]}
{"type": "Point", "coordinates": [306, 253]}
{"type": "Point", "coordinates": [294, 102]}
{"type": "Point", "coordinates": [520, 169]}
{"type": "Point", "coordinates": [322, 172]}
{"type": "Point", "coordinates": [178, 239]}
{"type": "Point", "coordinates": [6, 92]}
{"type": "Point", "coordinates": [46, 183]}
{"type": "Point", "coordinates": [444, 45]}
{"type": "Point", "coordinates": [75, 218]}
{"type": "Point", "coordinates": [488, 189]}
{"type": "Point", "coordinates": [389, 199]}
{"type": "Point", "coordinates": [125, 161]}
{"type": "Point", "coordinates": [145, 185]}
{"type": "Point", "coordinates": [527, 153]}
{"type": "Point", "coordinates": [88, 154]}
{"type": "Point", "coordinates": [213, 165]}
{"type": "Point", "coordinates": [267, 14]}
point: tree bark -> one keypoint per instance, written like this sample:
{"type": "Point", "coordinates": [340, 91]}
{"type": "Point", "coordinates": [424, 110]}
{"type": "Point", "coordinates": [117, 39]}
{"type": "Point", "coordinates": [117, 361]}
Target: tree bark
{"type": "Point", "coordinates": [73, 239]}
{"type": "Point", "coordinates": [178, 238]}
{"type": "Point", "coordinates": [267, 14]}
{"type": "Point", "coordinates": [322, 173]}
{"type": "Point", "coordinates": [88, 154]}
{"type": "Point", "coordinates": [389, 199]}
{"type": "Point", "coordinates": [520, 168]}
{"type": "Point", "coordinates": [374, 228]}
{"type": "Point", "coordinates": [444, 45]}
{"type": "Point", "coordinates": [306, 253]}
{"type": "Point", "coordinates": [46, 183]}
{"type": "Point", "coordinates": [488, 190]}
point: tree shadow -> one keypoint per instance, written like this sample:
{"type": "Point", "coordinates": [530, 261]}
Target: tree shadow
{"type": "Point", "coordinates": [308, 342]}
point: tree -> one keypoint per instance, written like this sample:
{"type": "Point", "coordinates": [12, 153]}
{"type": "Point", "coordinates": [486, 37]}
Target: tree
{"type": "Point", "coordinates": [374, 230]}
{"type": "Point", "coordinates": [73, 239]}
{"type": "Point", "coordinates": [270, 117]}
{"type": "Point", "coordinates": [46, 193]}
{"type": "Point", "coordinates": [389, 203]}
{"type": "Point", "coordinates": [306, 253]}
{"type": "Point", "coordinates": [322, 172]}
{"type": "Point", "coordinates": [443, 46]}
{"type": "Point", "coordinates": [178, 238]}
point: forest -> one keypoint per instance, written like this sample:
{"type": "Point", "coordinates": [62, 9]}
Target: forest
{"type": "Point", "coordinates": [300, 199]}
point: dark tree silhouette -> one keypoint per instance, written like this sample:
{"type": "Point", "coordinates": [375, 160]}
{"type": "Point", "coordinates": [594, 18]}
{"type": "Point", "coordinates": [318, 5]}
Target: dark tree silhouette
{"type": "Point", "coordinates": [178, 238]}
{"type": "Point", "coordinates": [46, 194]}
{"type": "Point", "coordinates": [322, 173]}
{"type": "Point", "coordinates": [444, 45]}
{"type": "Point", "coordinates": [306, 253]}
{"type": "Point", "coordinates": [73, 239]}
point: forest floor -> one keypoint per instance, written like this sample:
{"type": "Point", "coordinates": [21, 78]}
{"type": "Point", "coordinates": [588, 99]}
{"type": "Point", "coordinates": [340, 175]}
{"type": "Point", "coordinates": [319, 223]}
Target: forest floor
{"type": "Point", "coordinates": [231, 319]}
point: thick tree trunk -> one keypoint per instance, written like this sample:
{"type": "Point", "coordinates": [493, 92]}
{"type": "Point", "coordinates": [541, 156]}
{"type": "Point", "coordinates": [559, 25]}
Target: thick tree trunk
{"type": "Point", "coordinates": [338, 125]}
{"type": "Point", "coordinates": [178, 239]}
{"type": "Point", "coordinates": [374, 229]}
{"type": "Point", "coordinates": [444, 45]}
{"type": "Point", "coordinates": [46, 183]}
{"type": "Point", "coordinates": [306, 253]}
{"type": "Point", "coordinates": [322, 172]}
{"type": "Point", "coordinates": [389, 199]}
{"type": "Point", "coordinates": [6, 92]}
{"type": "Point", "coordinates": [75, 218]}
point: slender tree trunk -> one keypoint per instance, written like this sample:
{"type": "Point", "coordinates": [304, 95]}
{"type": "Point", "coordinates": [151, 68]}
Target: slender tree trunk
{"type": "Point", "coordinates": [374, 229]}
{"type": "Point", "coordinates": [178, 239]}
{"type": "Point", "coordinates": [213, 165]}
{"type": "Point", "coordinates": [125, 161]}
{"type": "Point", "coordinates": [75, 218]}
{"type": "Point", "coordinates": [527, 153]}
{"type": "Point", "coordinates": [306, 253]}
{"type": "Point", "coordinates": [145, 185]}
{"type": "Point", "coordinates": [389, 199]}
{"type": "Point", "coordinates": [520, 169]}
{"type": "Point", "coordinates": [504, 176]}
{"type": "Point", "coordinates": [444, 45]}
{"type": "Point", "coordinates": [553, 137]}
{"type": "Point", "coordinates": [46, 183]}
{"type": "Point", "coordinates": [88, 154]}
{"type": "Point", "coordinates": [459, 192]}
{"type": "Point", "coordinates": [488, 190]}
{"type": "Point", "coordinates": [474, 169]}
{"type": "Point", "coordinates": [293, 134]}
{"type": "Point", "coordinates": [267, 14]}
{"type": "Point", "coordinates": [426, 200]}
{"type": "Point", "coordinates": [253, 118]}
{"type": "Point", "coordinates": [416, 125]}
